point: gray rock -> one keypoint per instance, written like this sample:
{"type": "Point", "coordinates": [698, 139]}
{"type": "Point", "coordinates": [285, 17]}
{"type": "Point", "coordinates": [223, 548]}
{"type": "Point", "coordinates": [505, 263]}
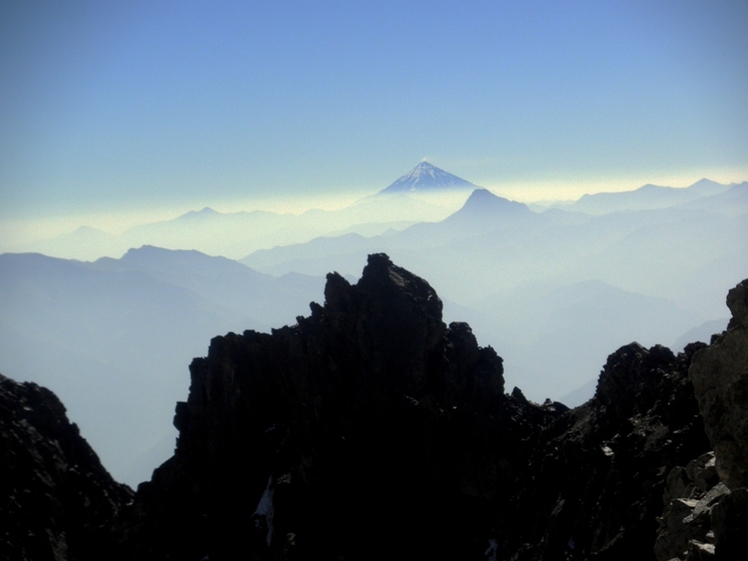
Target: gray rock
{"type": "Point", "coordinates": [698, 551]}
{"type": "Point", "coordinates": [703, 472]}
{"type": "Point", "coordinates": [702, 517]}
{"type": "Point", "coordinates": [719, 375]}
{"type": "Point", "coordinates": [686, 523]}
{"type": "Point", "coordinates": [371, 422]}
{"type": "Point", "coordinates": [730, 521]}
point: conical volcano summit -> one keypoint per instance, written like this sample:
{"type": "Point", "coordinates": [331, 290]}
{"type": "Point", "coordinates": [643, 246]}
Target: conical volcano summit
{"type": "Point", "coordinates": [426, 177]}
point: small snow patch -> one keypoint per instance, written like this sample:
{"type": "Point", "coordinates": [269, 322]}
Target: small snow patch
{"type": "Point", "coordinates": [263, 515]}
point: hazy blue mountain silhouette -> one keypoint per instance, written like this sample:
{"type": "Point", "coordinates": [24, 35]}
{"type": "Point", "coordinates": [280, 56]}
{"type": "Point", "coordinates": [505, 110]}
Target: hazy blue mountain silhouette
{"type": "Point", "coordinates": [236, 234]}
{"type": "Point", "coordinates": [732, 202]}
{"type": "Point", "coordinates": [114, 337]}
{"type": "Point", "coordinates": [672, 261]}
{"type": "Point", "coordinates": [118, 333]}
{"type": "Point", "coordinates": [484, 206]}
{"type": "Point", "coordinates": [482, 216]}
{"type": "Point", "coordinates": [555, 332]}
{"type": "Point", "coordinates": [701, 333]}
{"type": "Point", "coordinates": [482, 212]}
{"type": "Point", "coordinates": [424, 178]}
{"type": "Point", "coordinates": [646, 197]}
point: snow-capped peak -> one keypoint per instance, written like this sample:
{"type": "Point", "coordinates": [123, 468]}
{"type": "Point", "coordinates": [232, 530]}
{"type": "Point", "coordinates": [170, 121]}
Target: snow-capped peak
{"type": "Point", "coordinates": [427, 177]}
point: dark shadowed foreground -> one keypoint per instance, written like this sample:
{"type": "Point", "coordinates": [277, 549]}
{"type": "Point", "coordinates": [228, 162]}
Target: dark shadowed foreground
{"type": "Point", "coordinates": [371, 430]}
{"type": "Point", "coordinates": [56, 500]}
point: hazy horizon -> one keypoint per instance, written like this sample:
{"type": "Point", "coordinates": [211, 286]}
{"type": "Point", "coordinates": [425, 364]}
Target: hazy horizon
{"type": "Point", "coordinates": [20, 233]}
{"type": "Point", "coordinates": [116, 119]}
{"type": "Point", "coordinates": [156, 108]}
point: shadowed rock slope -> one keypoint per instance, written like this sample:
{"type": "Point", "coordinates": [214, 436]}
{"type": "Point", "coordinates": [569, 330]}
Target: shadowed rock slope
{"type": "Point", "coordinates": [57, 502]}
{"type": "Point", "coordinates": [371, 430]}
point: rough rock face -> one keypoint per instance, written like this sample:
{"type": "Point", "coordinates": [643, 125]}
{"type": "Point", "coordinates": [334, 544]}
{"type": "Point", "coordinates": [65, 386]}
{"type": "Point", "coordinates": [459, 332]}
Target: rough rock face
{"type": "Point", "coordinates": [706, 503]}
{"type": "Point", "coordinates": [366, 431]}
{"type": "Point", "coordinates": [594, 479]}
{"type": "Point", "coordinates": [720, 379]}
{"type": "Point", "coordinates": [690, 495]}
{"type": "Point", "coordinates": [56, 500]}
{"type": "Point", "coordinates": [371, 430]}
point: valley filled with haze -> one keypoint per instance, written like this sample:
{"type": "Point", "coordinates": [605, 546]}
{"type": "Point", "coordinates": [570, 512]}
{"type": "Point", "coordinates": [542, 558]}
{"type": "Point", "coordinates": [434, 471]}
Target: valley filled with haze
{"type": "Point", "coordinates": [552, 289]}
{"type": "Point", "coordinates": [171, 174]}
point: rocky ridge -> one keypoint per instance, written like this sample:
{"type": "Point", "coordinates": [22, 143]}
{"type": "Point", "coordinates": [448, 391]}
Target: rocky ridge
{"type": "Point", "coordinates": [706, 502]}
{"type": "Point", "coordinates": [370, 429]}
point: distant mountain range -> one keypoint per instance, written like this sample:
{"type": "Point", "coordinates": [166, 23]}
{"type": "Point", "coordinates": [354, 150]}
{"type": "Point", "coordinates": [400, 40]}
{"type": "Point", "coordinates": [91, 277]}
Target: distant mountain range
{"type": "Point", "coordinates": [648, 197]}
{"type": "Point", "coordinates": [640, 275]}
{"type": "Point", "coordinates": [426, 177]}
{"type": "Point", "coordinates": [115, 337]}
{"type": "Point", "coordinates": [424, 194]}
{"type": "Point", "coordinates": [112, 337]}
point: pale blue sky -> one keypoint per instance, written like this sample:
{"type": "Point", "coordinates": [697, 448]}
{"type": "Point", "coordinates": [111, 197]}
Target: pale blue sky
{"type": "Point", "coordinates": [123, 104]}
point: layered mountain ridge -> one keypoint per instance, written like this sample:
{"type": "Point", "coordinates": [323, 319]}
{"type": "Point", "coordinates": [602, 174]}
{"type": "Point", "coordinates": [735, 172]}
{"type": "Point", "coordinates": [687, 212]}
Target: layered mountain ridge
{"type": "Point", "coordinates": [370, 430]}
{"type": "Point", "coordinates": [648, 197]}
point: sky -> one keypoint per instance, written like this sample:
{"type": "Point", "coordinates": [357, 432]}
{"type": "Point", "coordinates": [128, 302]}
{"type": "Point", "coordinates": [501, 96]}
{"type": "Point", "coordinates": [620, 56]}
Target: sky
{"type": "Point", "coordinates": [133, 106]}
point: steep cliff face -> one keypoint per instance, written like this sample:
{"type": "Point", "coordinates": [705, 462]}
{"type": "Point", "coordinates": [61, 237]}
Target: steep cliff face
{"type": "Point", "coordinates": [720, 379]}
{"type": "Point", "coordinates": [371, 430]}
{"type": "Point", "coordinates": [56, 500]}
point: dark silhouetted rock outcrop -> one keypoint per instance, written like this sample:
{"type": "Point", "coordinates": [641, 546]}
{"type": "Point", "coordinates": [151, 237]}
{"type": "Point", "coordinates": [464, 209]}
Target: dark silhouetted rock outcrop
{"type": "Point", "coordinates": [594, 478]}
{"type": "Point", "coordinates": [720, 380]}
{"type": "Point", "coordinates": [368, 430]}
{"type": "Point", "coordinates": [372, 430]}
{"type": "Point", "coordinates": [706, 503]}
{"type": "Point", "coordinates": [56, 500]}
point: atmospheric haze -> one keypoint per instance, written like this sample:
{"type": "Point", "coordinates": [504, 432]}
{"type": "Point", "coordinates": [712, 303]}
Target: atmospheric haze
{"type": "Point", "coordinates": [169, 173]}
{"type": "Point", "coordinates": [553, 289]}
